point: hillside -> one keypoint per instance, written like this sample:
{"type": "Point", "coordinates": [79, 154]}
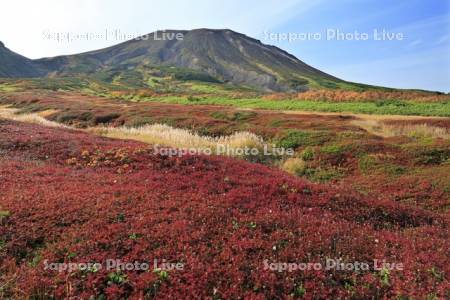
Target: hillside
{"type": "Point", "coordinates": [15, 65]}
{"type": "Point", "coordinates": [225, 55]}
{"type": "Point", "coordinates": [93, 199]}
{"type": "Point", "coordinates": [222, 56]}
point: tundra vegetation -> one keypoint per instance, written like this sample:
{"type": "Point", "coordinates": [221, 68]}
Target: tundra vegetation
{"type": "Point", "coordinates": [81, 182]}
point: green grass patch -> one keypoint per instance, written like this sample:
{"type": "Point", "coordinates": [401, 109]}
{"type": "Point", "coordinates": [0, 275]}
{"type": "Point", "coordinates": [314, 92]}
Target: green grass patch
{"type": "Point", "coordinates": [380, 108]}
{"type": "Point", "coordinates": [391, 102]}
{"type": "Point", "coordinates": [205, 87]}
{"type": "Point", "coordinates": [153, 81]}
{"type": "Point", "coordinates": [140, 121]}
{"type": "Point", "coordinates": [371, 165]}
{"type": "Point", "coordinates": [4, 213]}
{"type": "Point", "coordinates": [8, 88]}
{"type": "Point", "coordinates": [393, 169]}
{"type": "Point", "coordinates": [366, 164]}
{"type": "Point", "coordinates": [322, 175]}
{"type": "Point", "coordinates": [433, 156]}
{"type": "Point", "coordinates": [236, 116]}
{"type": "Point", "coordinates": [277, 123]}
{"type": "Point", "coordinates": [332, 149]}
{"type": "Point", "coordinates": [296, 138]}
{"type": "Point", "coordinates": [69, 117]}
{"type": "Point", "coordinates": [308, 154]}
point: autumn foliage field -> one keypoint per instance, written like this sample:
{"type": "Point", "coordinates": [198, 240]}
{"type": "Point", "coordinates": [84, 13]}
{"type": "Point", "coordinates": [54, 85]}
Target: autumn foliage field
{"type": "Point", "coordinates": [362, 96]}
{"type": "Point", "coordinates": [70, 197]}
{"type": "Point", "coordinates": [361, 188]}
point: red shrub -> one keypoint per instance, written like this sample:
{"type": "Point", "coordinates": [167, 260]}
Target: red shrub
{"type": "Point", "coordinates": [77, 198]}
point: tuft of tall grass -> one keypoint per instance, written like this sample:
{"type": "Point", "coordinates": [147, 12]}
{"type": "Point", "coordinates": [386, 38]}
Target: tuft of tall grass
{"type": "Point", "coordinates": [411, 130]}
{"type": "Point", "coordinates": [155, 134]}
{"type": "Point", "coordinates": [36, 118]}
{"type": "Point", "coordinates": [161, 134]}
{"type": "Point", "coordinates": [294, 165]}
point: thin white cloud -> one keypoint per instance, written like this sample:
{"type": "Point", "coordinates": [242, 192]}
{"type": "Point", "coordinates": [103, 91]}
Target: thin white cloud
{"type": "Point", "coordinates": [24, 30]}
{"type": "Point", "coordinates": [424, 24]}
{"type": "Point", "coordinates": [415, 43]}
{"type": "Point", "coordinates": [443, 39]}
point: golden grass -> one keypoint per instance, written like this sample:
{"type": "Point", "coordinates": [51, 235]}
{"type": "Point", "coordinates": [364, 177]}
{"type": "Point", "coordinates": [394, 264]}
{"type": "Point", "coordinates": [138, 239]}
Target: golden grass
{"type": "Point", "coordinates": [411, 130]}
{"type": "Point", "coordinates": [156, 134]}
{"type": "Point", "coordinates": [294, 165]}
{"type": "Point", "coordinates": [160, 134]}
{"type": "Point", "coordinates": [35, 118]}
{"type": "Point", "coordinates": [357, 115]}
{"type": "Point", "coordinates": [417, 130]}
{"type": "Point", "coordinates": [341, 95]}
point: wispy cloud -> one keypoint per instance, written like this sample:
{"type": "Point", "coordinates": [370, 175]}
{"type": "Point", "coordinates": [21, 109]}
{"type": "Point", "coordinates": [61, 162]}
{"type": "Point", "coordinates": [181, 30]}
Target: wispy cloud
{"type": "Point", "coordinates": [415, 43]}
{"type": "Point", "coordinates": [443, 39]}
{"type": "Point", "coordinates": [133, 17]}
{"type": "Point", "coordinates": [442, 21]}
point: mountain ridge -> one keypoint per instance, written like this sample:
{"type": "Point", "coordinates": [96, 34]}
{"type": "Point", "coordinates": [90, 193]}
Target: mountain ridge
{"type": "Point", "coordinates": [221, 54]}
{"type": "Point", "coordinates": [15, 65]}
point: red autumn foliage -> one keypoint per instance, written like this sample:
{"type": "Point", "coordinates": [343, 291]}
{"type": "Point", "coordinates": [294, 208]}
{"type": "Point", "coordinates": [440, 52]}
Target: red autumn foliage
{"type": "Point", "coordinates": [73, 197]}
{"type": "Point", "coordinates": [339, 95]}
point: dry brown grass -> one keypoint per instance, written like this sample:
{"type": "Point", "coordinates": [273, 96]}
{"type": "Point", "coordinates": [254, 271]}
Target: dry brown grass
{"type": "Point", "coordinates": [35, 118]}
{"type": "Point", "coordinates": [159, 134]}
{"type": "Point", "coordinates": [294, 165]}
{"type": "Point", "coordinates": [412, 130]}
{"type": "Point", "coordinates": [370, 96]}
{"type": "Point", "coordinates": [360, 96]}
{"type": "Point", "coordinates": [156, 134]}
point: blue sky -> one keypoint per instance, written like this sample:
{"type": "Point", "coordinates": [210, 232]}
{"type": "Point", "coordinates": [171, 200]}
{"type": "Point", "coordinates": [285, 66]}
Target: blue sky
{"type": "Point", "coordinates": [421, 59]}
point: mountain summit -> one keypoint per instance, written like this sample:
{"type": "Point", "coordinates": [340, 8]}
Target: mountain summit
{"type": "Point", "coordinates": [220, 55]}
{"type": "Point", "coordinates": [15, 65]}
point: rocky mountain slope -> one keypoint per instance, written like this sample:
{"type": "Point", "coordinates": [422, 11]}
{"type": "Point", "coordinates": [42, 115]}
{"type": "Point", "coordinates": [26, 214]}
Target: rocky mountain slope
{"type": "Point", "coordinates": [203, 54]}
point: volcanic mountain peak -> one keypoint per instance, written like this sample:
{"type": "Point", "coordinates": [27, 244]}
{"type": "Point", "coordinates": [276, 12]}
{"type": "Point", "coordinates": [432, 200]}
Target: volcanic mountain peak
{"type": "Point", "coordinates": [15, 65]}
{"type": "Point", "coordinates": [221, 55]}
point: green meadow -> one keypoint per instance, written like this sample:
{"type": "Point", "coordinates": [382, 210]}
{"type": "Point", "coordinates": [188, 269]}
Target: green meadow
{"type": "Point", "coordinates": [381, 108]}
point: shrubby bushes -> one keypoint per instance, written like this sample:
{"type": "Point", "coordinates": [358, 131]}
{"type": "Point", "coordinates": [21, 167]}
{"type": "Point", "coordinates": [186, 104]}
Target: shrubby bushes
{"type": "Point", "coordinates": [86, 199]}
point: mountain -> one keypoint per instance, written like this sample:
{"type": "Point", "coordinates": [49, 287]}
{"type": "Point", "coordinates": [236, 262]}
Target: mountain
{"type": "Point", "coordinates": [202, 54]}
{"type": "Point", "coordinates": [15, 65]}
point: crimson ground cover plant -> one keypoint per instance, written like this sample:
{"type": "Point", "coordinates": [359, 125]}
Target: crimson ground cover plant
{"type": "Point", "coordinates": [340, 152]}
{"type": "Point", "coordinates": [67, 196]}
